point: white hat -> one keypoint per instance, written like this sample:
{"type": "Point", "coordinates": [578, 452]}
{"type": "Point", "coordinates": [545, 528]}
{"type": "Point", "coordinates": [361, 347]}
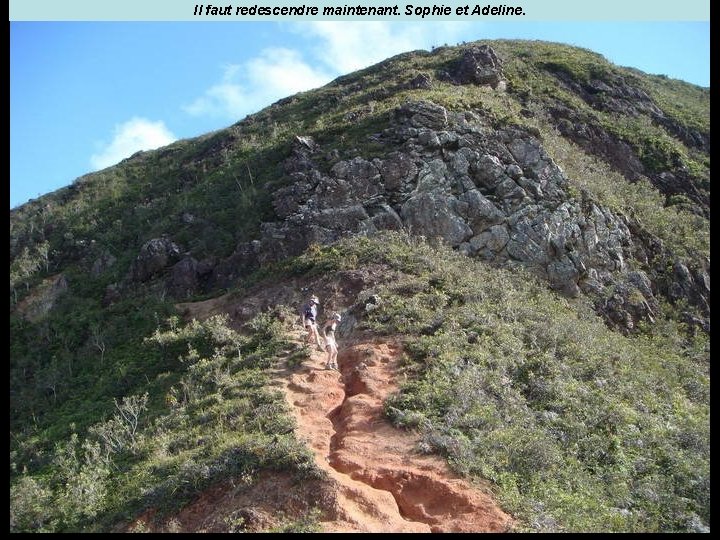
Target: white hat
{"type": "Point", "coordinates": [314, 299]}
{"type": "Point", "coordinates": [337, 317]}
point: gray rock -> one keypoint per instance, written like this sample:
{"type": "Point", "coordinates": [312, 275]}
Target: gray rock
{"type": "Point", "coordinates": [531, 186]}
{"type": "Point", "coordinates": [183, 279]}
{"type": "Point", "coordinates": [507, 189]}
{"type": "Point", "coordinates": [429, 138]}
{"type": "Point", "coordinates": [513, 171]}
{"type": "Point", "coordinates": [433, 176]}
{"type": "Point", "coordinates": [524, 249]}
{"type": "Point", "coordinates": [155, 255]}
{"type": "Point", "coordinates": [488, 172]}
{"type": "Point", "coordinates": [499, 237]}
{"type": "Point", "coordinates": [460, 161]}
{"type": "Point", "coordinates": [479, 66]}
{"type": "Point", "coordinates": [447, 138]}
{"type": "Point", "coordinates": [564, 276]}
{"type": "Point", "coordinates": [494, 239]}
{"type": "Point", "coordinates": [387, 219]}
{"type": "Point", "coordinates": [421, 114]}
{"type": "Point", "coordinates": [397, 170]}
{"type": "Point", "coordinates": [421, 81]}
{"type": "Point", "coordinates": [481, 212]}
{"type": "Point", "coordinates": [527, 152]}
{"type": "Point", "coordinates": [433, 215]}
{"type": "Point", "coordinates": [630, 303]}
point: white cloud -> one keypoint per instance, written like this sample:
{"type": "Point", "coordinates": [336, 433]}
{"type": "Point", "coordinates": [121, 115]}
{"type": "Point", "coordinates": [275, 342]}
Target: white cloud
{"type": "Point", "coordinates": [348, 46]}
{"type": "Point", "coordinates": [134, 135]}
{"type": "Point", "coordinates": [340, 47]}
{"type": "Point", "coordinates": [274, 74]}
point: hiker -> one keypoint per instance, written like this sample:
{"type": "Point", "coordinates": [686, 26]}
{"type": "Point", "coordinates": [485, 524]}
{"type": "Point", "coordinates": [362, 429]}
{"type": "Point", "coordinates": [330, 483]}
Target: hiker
{"type": "Point", "coordinates": [307, 318]}
{"type": "Point", "coordinates": [330, 343]}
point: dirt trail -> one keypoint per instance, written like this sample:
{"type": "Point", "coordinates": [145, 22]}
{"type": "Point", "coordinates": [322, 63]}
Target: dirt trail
{"type": "Point", "coordinates": [382, 484]}
{"type": "Point", "coordinates": [378, 482]}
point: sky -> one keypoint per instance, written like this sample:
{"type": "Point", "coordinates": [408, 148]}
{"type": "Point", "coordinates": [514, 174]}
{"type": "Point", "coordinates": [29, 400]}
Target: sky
{"type": "Point", "coordinates": [85, 95]}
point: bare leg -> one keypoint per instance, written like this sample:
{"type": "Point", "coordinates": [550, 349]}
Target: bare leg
{"type": "Point", "coordinates": [317, 338]}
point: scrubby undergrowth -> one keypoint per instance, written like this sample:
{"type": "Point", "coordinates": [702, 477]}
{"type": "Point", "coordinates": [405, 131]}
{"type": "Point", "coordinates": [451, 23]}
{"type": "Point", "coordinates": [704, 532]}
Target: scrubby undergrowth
{"type": "Point", "coordinates": [219, 419]}
{"type": "Point", "coordinates": [580, 428]}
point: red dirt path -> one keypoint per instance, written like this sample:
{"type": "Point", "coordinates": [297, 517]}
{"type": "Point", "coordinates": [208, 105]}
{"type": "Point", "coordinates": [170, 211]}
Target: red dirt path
{"type": "Point", "coordinates": [377, 480]}
{"type": "Point", "coordinates": [383, 483]}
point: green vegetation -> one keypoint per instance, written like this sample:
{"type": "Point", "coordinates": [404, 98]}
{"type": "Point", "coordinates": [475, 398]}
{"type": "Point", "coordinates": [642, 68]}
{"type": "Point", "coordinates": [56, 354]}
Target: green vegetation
{"type": "Point", "coordinates": [115, 409]}
{"type": "Point", "coordinates": [580, 428]}
{"type": "Point", "coordinates": [217, 419]}
{"type": "Point", "coordinates": [685, 233]}
{"type": "Point", "coordinates": [213, 191]}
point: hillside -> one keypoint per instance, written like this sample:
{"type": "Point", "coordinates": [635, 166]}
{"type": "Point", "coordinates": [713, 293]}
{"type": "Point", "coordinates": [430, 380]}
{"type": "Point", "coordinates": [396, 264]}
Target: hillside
{"type": "Point", "coordinates": [522, 227]}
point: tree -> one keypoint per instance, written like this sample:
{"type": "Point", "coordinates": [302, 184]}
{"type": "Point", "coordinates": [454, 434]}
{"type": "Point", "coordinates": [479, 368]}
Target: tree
{"type": "Point", "coordinates": [98, 340]}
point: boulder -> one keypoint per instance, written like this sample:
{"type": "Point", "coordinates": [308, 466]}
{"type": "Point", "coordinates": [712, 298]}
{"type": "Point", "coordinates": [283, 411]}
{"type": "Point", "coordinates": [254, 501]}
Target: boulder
{"type": "Point", "coordinates": [433, 215]}
{"type": "Point", "coordinates": [478, 66]}
{"type": "Point", "coordinates": [183, 279]}
{"type": "Point", "coordinates": [155, 255]}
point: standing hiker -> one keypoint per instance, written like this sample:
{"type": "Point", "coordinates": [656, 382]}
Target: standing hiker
{"type": "Point", "coordinates": [330, 343]}
{"type": "Point", "coordinates": [308, 314]}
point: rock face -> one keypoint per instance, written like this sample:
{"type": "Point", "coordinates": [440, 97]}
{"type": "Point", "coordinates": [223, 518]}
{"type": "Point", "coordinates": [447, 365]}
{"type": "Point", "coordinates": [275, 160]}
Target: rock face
{"type": "Point", "coordinates": [43, 298]}
{"type": "Point", "coordinates": [631, 302]}
{"type": "Point", "coordinates": [155, 255]}
{"type": "Point", "coordinates": [616, 95]}
{"type": "Point", "coordinates": [492, 194]}
{"type": "Point", "coordinates": [479, 66]}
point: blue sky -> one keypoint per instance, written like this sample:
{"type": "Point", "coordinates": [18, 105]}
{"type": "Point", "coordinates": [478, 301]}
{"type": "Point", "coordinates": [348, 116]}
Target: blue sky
{"type": "Point", "coordinates": [84, 95]}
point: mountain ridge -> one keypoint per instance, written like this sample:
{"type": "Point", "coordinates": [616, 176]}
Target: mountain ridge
{"type": "Point", "coordinates": [527, 156]}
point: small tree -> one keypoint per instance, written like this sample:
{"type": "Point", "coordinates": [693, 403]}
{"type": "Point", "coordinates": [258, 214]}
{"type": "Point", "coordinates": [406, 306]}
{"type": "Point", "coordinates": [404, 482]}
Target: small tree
{"type": "Point", "coordinates": [98, 340]}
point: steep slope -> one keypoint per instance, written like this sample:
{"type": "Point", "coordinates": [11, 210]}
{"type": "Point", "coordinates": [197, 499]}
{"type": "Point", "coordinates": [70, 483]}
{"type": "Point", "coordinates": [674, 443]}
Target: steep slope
{"type": "Point", "coordinates": [383, 484]}
{"type": "Point", "coordinates": [523, 156]}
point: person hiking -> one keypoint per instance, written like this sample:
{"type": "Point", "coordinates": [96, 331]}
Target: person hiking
{"type": "Point", "coordinates": [308, 314]}
{"type": "Point", "coordinates": [330, 343]}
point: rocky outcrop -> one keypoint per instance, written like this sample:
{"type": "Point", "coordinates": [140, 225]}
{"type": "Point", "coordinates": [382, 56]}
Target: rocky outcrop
{"type": "Point", "coordinates": [615, 94]}
{"type": "Point", "coordinates": [631, 302]}
{"type": "Point", "coordinates": [190, 276]}
{"type": "Point", "coordinates": [585, 130]}
{"type": "Point", "coordinates": [42, 298]}
{"type": "Point", "coordinates": [422, 81]}
{"type": "Point", "coordinates": [691, 285]}
{"type": "Point", "coordinates": [479, 66]}
{"type": "Point", "coordinates": [225, 273]}
{"type": "Point", "coordinates": [183, 280]}
{"type": "Point", "coordinates": [154, 257]}
{"type": "Point", "coordinates": [492, 194]}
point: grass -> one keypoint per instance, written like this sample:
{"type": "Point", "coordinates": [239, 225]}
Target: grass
{"type": "Point", "coordinates": [218, 419]}
{"type": "Point", "coordinates": [212, 192]}
{"type": "Point", "coordinates": [579, 428]}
